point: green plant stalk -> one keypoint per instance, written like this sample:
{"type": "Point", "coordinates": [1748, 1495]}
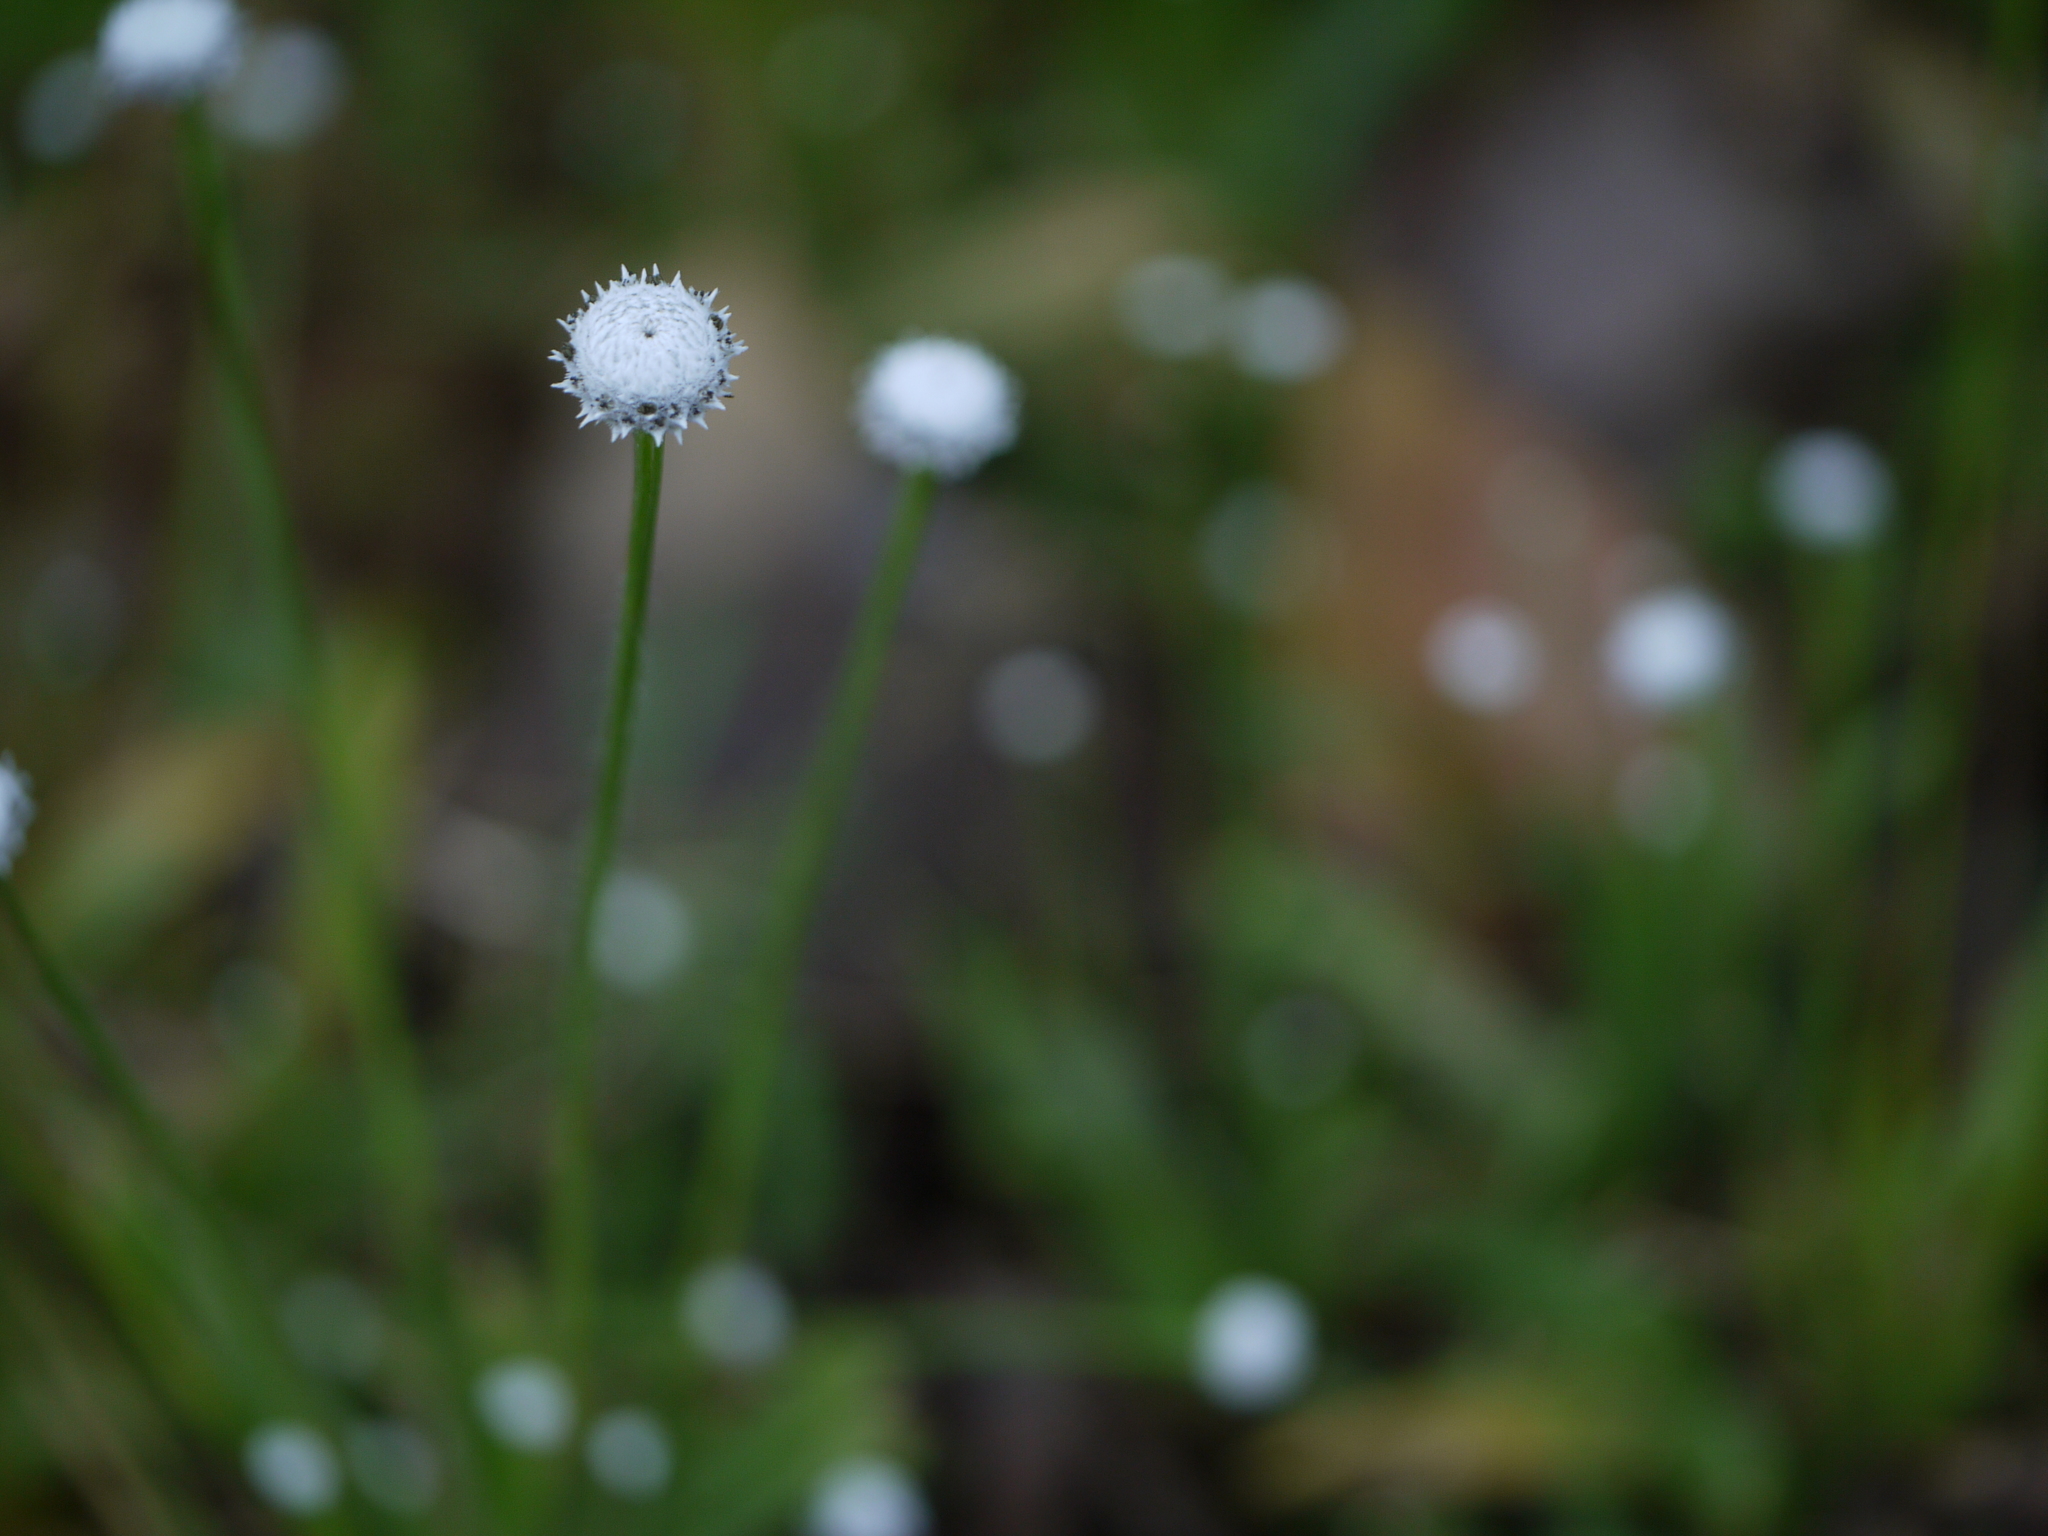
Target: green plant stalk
{"type": "Point", "coordinates": [400, 1125]}
{"type": "Point", "coordinates": [271, 1385]}
{"type": "Point", "coordinates": [573, 1174]}
{"type": "Point", "coordinates": [720, 1218]}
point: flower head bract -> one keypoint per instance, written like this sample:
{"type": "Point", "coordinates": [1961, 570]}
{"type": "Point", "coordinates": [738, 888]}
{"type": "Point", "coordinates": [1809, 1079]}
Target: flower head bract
{"type": "Point", "coordinates": [169, 50]}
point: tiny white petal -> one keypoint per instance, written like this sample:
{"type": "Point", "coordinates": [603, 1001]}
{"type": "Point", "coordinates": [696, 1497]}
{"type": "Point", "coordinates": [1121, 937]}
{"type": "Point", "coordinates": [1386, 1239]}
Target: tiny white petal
{"type": "Point", "coordinates": [934, 403]}
{"type": "Point", "coordinates": [169, 50]}
{"type": "Point", "coordinates": [1255, 1344]}
{"type": "Point", "coordinates": [647, 356]}
{"type": "Point", "coordinates": [17, 810]}
{"type": "Point", "coordinates": [867, 1496]}
{"type": "Point", "coordinates": [1670, 649]}
{"type": "Point", "coordinates": [293, 1467]}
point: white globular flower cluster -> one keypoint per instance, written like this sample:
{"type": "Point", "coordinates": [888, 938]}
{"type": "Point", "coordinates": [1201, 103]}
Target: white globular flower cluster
{"type": "Point", "coordinates": [17, 810]}
{"type": "Point", "coordinates": [649, 356]}
{"type": "Point", "coordinates": [169, 50]}
{"type": "Point", "coordinates": [933, 403]}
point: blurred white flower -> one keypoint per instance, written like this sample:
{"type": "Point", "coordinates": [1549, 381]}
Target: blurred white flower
{"type": "Point", "coordinates": [648, 356]}
{"type": "Point", "coordinates": [1175, 306]}
{"type": "Point", "coordinates": [1830, 490]}
{"type": "Point", "coordinates": [643, 933]}
{"type": "Point", "coordinates": [1038, 706]}
{"type": "Point", "coordinates": [484, 880]}
{"type": "Point", "coordinates": [1485, 657]}
{"type": "Point", "coordinates": [527, 1403]}
{"type": "Point", "coordinates": [1670, 649]}
{"type": "Point", "coordinates": [934, 403]}
{"type": "Point", "coordinates": [737, 1314]}
{"type": "Point", "coordinates": [63, 109]}
{"type": "Point", "coordinates": [395, 1466]}
{"type": "Point", "coordinates": [1288, 329]}
{"type": "Point", "coordinates": [1663, 796]}
{"type": "Point", "coordinates": [1255, 1344]}
{"type": "Point", "coordinates": [290, 85]}
{"type": "Point", "coordinates": [292, 1467]}
{"type": "Point", "coordinates": [628, 1454]}
{"type": "Point", "coordinates": [17, 810]}
{"type": "Point", "coordinates": [333, 1326]}
{"type": "Point", "coordinates": [169, 50]}
{"type": "Point", "coordinates": [867, 1496]}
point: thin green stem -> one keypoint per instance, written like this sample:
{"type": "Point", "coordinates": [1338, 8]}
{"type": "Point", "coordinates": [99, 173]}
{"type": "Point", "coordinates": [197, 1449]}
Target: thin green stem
{"type": "Point", "coordinates": [400, 1125]}
{"type": "Point", "coordinates": [720, 1219]}
{"type": "Point", "coordinates": [571, 1209]}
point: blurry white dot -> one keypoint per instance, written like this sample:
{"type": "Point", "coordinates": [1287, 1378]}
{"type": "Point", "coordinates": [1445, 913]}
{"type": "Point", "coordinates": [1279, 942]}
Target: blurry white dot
{"type": "Point", "coordinates": [1485, 657]}
{"type": "Point", "coordinates": [628, 1454]}
{"type": "Point", "coordinates": [1830, 490]}
{"type": "Point", "coordinates": [63, 109]}
{"type": "Point", "coordinates": [1287, 329]}
{"type": "Point", "coordinates": [1663, 797]}
{"type": "Point", "coordinates": [1669, 649]}
{"type": "Point", "coordinates": [1175, 306]}
{"type": "Point", "coordinates": [623, 124]}
{"type": "Point", "coordinates": [1255, 1343]}
{"type": "Point", "coordinates": [867, 1496]}
{"type": "Point", "coordinates": [395, 1466]}
{"type": "Point", "coordinates": [527, 1403]}
{"type": "Point", "coordinates": [289, 86]}
{"type": "Point", "coordinates": [333, 1326]}
{"type": "Point", "coordinates": [71, 621]}
{"type": "Point", "coordinates": [644, 933]}
{"type": "Point", "coordinates": [1038, 706]}
{"type": "Point", "coordinates": [1299, 1050]}
{"type": "Point", "coordinates": [736, 1313]}
{"type": "Point", "coordinates": [292, 1467]}
{"type": "Point", "coordinates": [484, 881]}
{"type": "Point", "coordinates": [836, 75]}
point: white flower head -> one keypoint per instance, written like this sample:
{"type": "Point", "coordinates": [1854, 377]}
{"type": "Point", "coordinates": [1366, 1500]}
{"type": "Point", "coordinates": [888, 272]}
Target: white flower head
{"type": "Point", "coordinates": [1670, 650]}
{"type": "Point", "coordinates": [527, 1403]}
{"type": "Point", "coordinates": [867, 1496]}
{"type": "Point", "coordinates": [934, 403]}
{"type": "Point", "coordinates": [1255, 1344]}
{"type": "Point", "coordinates": [1830, 490]}
{"type": "Point", "coordinates": [1484, 657]}
{"type": "Point", "coordinates": [17, 810]}
{"type": "Point", "coordinates": [169, 50]}
{"type": "Point", "coordinates": [293, 1467]}
{"type": "Point", "coordinates": [649, 356]}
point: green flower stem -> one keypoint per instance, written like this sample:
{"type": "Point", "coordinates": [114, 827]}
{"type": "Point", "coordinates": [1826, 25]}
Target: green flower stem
{"type": "Point", "coordinates": [721, 1216]}
{"type": "Point", "coordinates": [271, 1385]}
{"type": "Point", "coordinates": [571, 1207]}
{"type": "Point", "coordinates": [400, 1126]}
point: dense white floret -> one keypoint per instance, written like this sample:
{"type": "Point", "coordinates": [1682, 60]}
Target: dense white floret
{"type": "Point", "coordinates": [17, 810]}
{"type": "Point", "coordinates": [1255, 1344]}
{"type": "Point", "coordinates": [1670, 649]}
{"type": "Point", "coordinates": [169, 49]}
{"type": "Point", "coordinates": [933, 403]}
{"type": "Point", "coordinates": [648, 356]}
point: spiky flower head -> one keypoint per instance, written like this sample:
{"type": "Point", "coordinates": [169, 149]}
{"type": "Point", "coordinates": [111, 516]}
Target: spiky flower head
{"type": "Point", "coordinates": [934, 403]}
{"type": "Point", "coordinates": [17, 810]}
{"type": "Point", "coordinates": [169, 50]}
{"type": "Point", "coordinates": [649, 356]}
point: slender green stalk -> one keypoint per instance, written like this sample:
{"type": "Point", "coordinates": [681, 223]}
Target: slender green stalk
{"type": "Point", "coordinates": [571, 1210]}
{"type": "Point", "coordinates": [721, 1216]}
{"type": "Point", "coordinates": [400, 1125]}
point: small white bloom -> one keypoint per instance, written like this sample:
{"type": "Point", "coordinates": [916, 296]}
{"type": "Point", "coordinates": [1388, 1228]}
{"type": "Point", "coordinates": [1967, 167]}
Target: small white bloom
{"type": "Point", "coordinates": [736, 1312]}
{"type": "Point", "coordinates": [1175, 306]}
{"type": "Point", "coordinates": [169, 50]}
{"type": "Point", "coordinates": [1670, 649]}
{"type": "Point", "coordinates": [867, 1496]}
{"type": "Point", "coordinates": [1485, 657]}
{"type": "Point", "coordinates": [17, 810]}
{"type": "Point", "coordinates": [395, 1466]}
{"type": "Point", "coordinates": [293, 1467]}
{"type": "Point", "coordinates": [1288, 329]}
{"type": "Point", "coordinates": [1830, 490]}
{"type": "Point", "coordinates": [628, 1454]}
{"type": "Point", "coordinates": [933, 403]}
{"type": "Point", "coordinates": [648, 356]}
{"type": "Point", "coordinates": [1038, 706]}
{"type": "Point", "coordinates": [289, 87]}
{"type": "Point", "coordinates": [644, 932]}
{"type": "Point", "coordinates": [1255, 1343]}
{"type": "Point", "coordinates": [527, 1403]}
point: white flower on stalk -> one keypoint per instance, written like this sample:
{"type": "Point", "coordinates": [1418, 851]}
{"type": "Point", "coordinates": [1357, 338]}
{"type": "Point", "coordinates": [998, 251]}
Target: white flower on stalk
{"type": "Point", "coordinates": [1831, 490]}
{"type": "Point", "coordinates": [867, 1496]}
{"type": "Point", "coordinates": [169, 50]}
{"type": "Point", "coordinates": [1670, 649]}
{"type": "Point", "coordinates": [938, 404]}
{"type": "Point", "coordinates": [648, 356]}
{"type": "Point", "coordinates": [1254, 1345]}
{"type": "Point", "coordinates": [17, 810]}
{"type": "Point", "coordinates": [293, 1467]}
